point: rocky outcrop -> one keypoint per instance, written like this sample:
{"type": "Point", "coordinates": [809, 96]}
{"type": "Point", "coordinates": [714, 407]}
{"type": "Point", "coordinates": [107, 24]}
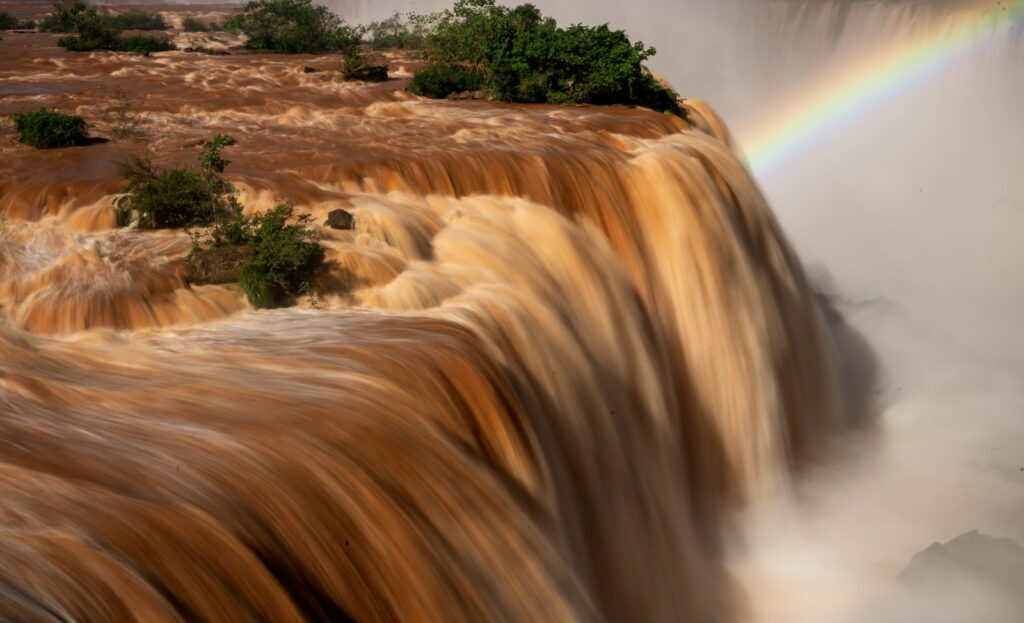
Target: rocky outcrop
{"type": "Point", "coordinates": [340, 219]}
{"type": "Point", "coordinates": [469, 95]}
{"type": "Point", "coordinates": [217, 265]}
{"type": "Point", "coordinates": [993, 561]}
{"type": "Point", "coordinates": [368, 73]}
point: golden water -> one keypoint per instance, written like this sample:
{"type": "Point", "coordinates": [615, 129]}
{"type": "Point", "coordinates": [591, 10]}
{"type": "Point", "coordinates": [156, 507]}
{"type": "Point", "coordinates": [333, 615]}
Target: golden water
{"type": "Point", "coordinates": [560, 348]}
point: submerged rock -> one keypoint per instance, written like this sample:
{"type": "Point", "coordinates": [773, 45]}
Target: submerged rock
{"type": "Point", "coordinates": [340, 219]}
{"type": "Point", "coordinates": [469, 95]}
{"type": "Point", "coordinates": [369, 73]}
{"type": "Point", "coordinates": [217, 265]}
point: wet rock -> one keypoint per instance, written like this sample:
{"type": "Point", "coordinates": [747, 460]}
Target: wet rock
{"type": "Point", "coordinates": [340, 219]}
{"type": "Point", "coordinates": [309, 70]}
{"type": "Point", "coordinates": [468, 95]}
{"type": "Point", "coordinates": [368, 73]}
{"type": "Point", "coordinates": [217, 265]}
{"type": "Point", "coordinates": [205, 50]}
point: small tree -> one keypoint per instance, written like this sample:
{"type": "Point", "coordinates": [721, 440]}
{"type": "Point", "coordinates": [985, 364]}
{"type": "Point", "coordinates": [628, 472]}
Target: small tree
{"type": "Point", "coordinates": [47, 129]}
{"type": "Point", "coordinates": [68, 16]}
{"type": "Point", "coordinates": [135, 20]}
{"type": "Point", "coordinates": [210, 159]}
{"type": "Point", "coordinates": [292, 26]}
{"type": "Point", "coordinates": [166, 198]}
{"type": "Point", "coordinates": [523, 56]}
{"type": "Point", "coordinates": [284, 251]}
{"type": "Point", "coordinates": [285, 256]}
{"type": "Point", "coordinates": [8, 21]}
{"type": "Point", "coordinates": [191, 24]}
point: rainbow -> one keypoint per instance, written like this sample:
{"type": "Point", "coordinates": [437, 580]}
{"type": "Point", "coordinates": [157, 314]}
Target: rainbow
{"type": "Point", "coordinates": [832, 102]}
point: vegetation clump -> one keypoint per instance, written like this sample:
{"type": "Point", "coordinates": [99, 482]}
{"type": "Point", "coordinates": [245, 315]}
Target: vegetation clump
{"type": "Point", "coordinates": [274, 254]}
{"type": "Point", "coordinates": [168, 198]}
{"type": "Point", "coordinates": [9, 22]}
{"type": "Point", "coordinates": [292, 26]}
{"type": "Point", "coordinates": [284, 253]}
{"type": "Point", "coordinates": [191, 24]}
{"type": "Point", "coordinates": [68, 16]}
{"type": "Point", "coordinates": [404, 31]}
{"type": "Point", "coordinates": [93, 31]}
{"type": "Point", "coordinates": [135, 20]}
{"type": "Point", "coordinates": [523, 56]}
{"type": "Point", "coordinates": [440, 80]}
{"type": "Point", "coordinates": [47, 129]}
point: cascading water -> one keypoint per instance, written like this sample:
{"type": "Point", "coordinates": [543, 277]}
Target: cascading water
{"type": "Point", "coordinates": [559, 348]}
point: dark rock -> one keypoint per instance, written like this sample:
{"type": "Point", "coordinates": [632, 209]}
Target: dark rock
{"type": "Point", "coordinates": [309, 70]}
{"type": "Point", "coordinates": [205, 50]}
{"type": "Point", "coordinates": [218, 265]}
{"type": "Point", "coordinates": [985, 558]}
{"type": "Point", "coordinates": [368, 73]}
{"type": "Point", "coordinates": [340, 219]}
{"type": "Point", "coordinates": [468, 95]}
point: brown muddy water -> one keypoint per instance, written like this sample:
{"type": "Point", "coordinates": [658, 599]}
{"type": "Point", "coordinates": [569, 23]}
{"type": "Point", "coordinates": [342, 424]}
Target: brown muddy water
{"type": "Point", "coordinates": [560, 349]}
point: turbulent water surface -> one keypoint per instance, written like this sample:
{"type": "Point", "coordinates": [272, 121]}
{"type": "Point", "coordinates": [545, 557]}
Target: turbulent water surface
{"type": "Point", "coordinates": [559, 347]}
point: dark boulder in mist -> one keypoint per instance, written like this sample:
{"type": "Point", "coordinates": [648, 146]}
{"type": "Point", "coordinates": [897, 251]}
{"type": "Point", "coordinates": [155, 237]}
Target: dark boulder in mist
{"type": "Point", "coordinates": [214, 266]}
{"type": "Point", "coordinates": [998, 562]}
{"type": "Point", "coordinates": [973, 578]}
{"type": "Point", "coordinates": [340, 219]}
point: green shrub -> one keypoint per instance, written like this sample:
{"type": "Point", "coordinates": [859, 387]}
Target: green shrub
{"type": "Point", "coordinates": [168, 198]}
{"type": "Point", "coordinates": [465, 32]}
{"type": "Point", "coordinates": [47, 129]}
{"type": "Point", "coordinates": [67, 16]}
{"type": "Point", "coordinates": [292, 26]}
{"type": "Point", "coordinates": [165, 198]}
{"type": "Point", "coordinates": [526, 57]}
{"type": "Point", "coordinates": [135, 20]}
{"type": "Point", "coordinates": [285, 256]}
{"type": "Point", "coordinates": [405, 31]}
{"type": "Point", "coordinates": [9, 22]}
{"type": "Point", "coordinates": [71, 15]}
{"type": "Point", "coordinates": [191, 24]}
{"type": "Point", "coordinates": [143, 44]}
{"type": "Point", "coordinates": [101, 31]}
{"type": "Point", "coordinates": [440, 80]}
{"type": "Point", "coordinates": [103, 39]}
{"type": "Point", "coordinates": [91, 39]}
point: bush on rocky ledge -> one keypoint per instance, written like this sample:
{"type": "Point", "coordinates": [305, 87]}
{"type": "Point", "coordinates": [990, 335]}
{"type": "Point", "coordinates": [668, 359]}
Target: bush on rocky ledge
{"type": "Point", "coordinates": [168, 198]}
{"type": "Point", "coordinates": [273, 255]}
{"type": "Point", "coordinates": [191, 24]}
{"type": "Point", "coordinates": [523, 56]}
{"type": "Point", "coordinates": [9, 22]}
{"type": "Point", "coordinates": [47, 129]}
{"type": "Point", "coordinates": [440, 80]}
